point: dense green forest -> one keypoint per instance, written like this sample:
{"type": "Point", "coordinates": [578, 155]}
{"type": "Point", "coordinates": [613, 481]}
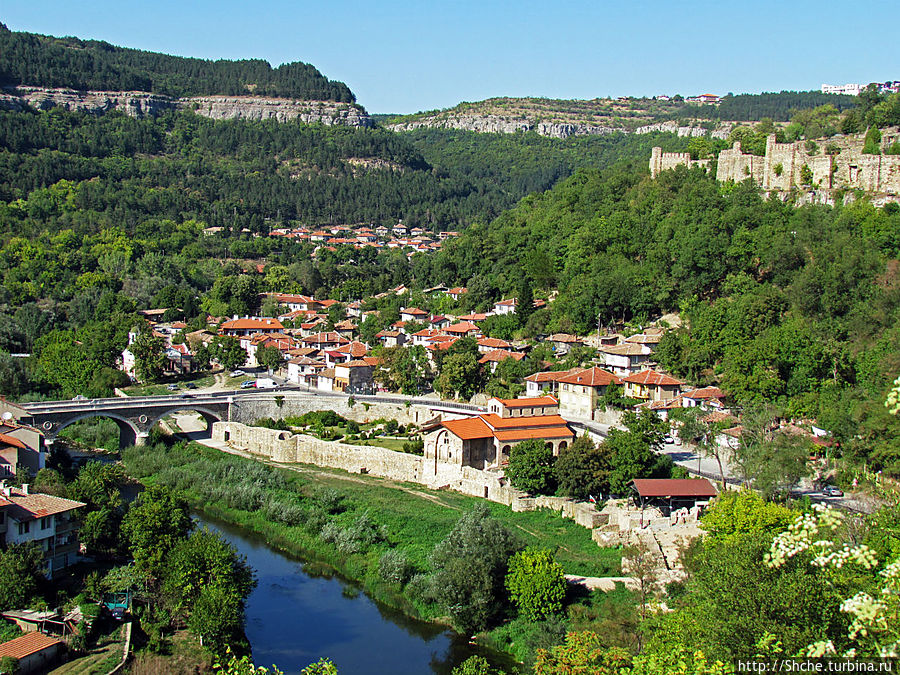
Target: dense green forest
{"type": "Point", "coordinates": [43, 61]}
{"type": "Point", "coordinates": [794, 306]}
{"type": "Point", "coordinates": [779, 107]}
{"type": "Point", "coordinates": [258, 175]}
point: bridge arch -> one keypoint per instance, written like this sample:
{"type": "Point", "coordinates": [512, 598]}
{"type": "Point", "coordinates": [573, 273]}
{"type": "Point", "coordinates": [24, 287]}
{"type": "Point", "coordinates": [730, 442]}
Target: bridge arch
{"type": "Point", "coordinates": [208, 415]}
{"type": "Point", "coordinates": [129, 432]}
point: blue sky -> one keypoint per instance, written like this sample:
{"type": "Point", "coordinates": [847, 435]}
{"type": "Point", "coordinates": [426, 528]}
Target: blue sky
{"type": "Point", "coordinates": [404, 56]}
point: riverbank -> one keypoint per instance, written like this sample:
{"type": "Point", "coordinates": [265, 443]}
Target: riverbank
{"type": "Point", "coordinates": [350, 523]}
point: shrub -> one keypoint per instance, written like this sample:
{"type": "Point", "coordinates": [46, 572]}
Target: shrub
{"type": "Point", "coordinates": [416, 447]}
{"type": "Point", "coordinates": [331, 500]}
{"type": "Point", "coordinates": [394, 567]}
{"type": "Point", "coordinates": [536, 584]}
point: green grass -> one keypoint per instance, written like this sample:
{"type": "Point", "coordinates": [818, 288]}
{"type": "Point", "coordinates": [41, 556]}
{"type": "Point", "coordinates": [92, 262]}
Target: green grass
{"type": "Point", "coordinates": [102, 658]}
{"type": "Point", "coordinates": [395, 444]}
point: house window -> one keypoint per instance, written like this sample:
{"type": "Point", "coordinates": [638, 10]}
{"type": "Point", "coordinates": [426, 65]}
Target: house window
{"type": "Point", "coordinates": [24, 528]}
{"type": "Point", "coordinates": [45, 523]}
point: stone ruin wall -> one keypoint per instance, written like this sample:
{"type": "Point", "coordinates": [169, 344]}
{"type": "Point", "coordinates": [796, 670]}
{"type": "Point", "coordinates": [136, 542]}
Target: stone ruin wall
{"type": "Point", "coordinates": [848, 170]}
{"type": "Point", "coordinates": [660, 161]}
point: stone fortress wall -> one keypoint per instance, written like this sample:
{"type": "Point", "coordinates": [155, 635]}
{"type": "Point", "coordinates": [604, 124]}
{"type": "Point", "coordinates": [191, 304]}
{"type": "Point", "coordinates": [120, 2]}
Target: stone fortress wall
{"type": "Point", "coordinates": [291, 448]}
{"type": "Point", "coordinates": [660, 161]}
{"type": "Point", "coordinates": [781, 168]}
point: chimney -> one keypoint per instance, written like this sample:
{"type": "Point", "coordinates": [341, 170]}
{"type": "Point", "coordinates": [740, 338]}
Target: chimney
{"type": "Point", "coordinates": [24, 488]}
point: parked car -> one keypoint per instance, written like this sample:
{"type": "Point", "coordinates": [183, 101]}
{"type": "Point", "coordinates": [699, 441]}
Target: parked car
{"type": "Point", "coordinates": [190, 385]}
{"type": "Point", "coordinates": [172, 387]}
{"type": "Point", "coordinates": [236, 373]}
{"type": "Point", "coordinates": [79, 397]}
{"type": "Point", "coordinates": [832, 491]}
{"type": "Point", "coordinates": [248, 384]}
{"type": "Point", "coordinates": [266, 383]}
{"type": "Point", "coordinates": [668, 439]}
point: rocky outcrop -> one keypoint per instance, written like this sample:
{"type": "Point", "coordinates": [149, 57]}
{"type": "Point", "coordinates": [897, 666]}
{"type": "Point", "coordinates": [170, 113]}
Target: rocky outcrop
{"type": "Point", "coordinates": [283, 110]}
{"type": "Point", "coordinates": [140, 104]}
{"type": "Point", "coordinates": [690, 131]}
{"type": "Point", "coordinates": [490, 124]}
{"type": "Point", "coordinates": [135, 103]}
{"type": "Point", "coordinates": [504, 125]}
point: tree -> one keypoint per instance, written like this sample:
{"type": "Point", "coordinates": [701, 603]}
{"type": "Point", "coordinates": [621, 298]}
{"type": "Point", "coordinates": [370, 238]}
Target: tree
{"type": "Point", "coordinates": [216, 617]}
{"type": "Point", "coordinates": [460, 373]}
{"type": "Point", "coordinates": [581, 470]}
{"type": "Point", "coordinates": [269, 358]}
{"type": "Point", "coordinates": [536, 584]}
{"type": "Point", "coordinates": [204, 560]}
{"type": "Point", "coordinates": [581, 653]}
{"type": "Point", "coordinates": [531, 467]}
{"type": "Point", "coordinates": [737, 514]}
{"type": "Point", "coordinates": [475, 665]}
{"type": "Point", "coordinates": [768, 459]}
{"type": "Point", "coordinates": [21, 573]}
{"type": "Point", "coordinates": [696, 429]}
{"type": "Point", "coordinates": [154, 524]}
{"type": "Point", "coordinates": [403, 369]}
{"type": "Point", "coordinates": [469, 568]}
{"type": "Point", "coordinates": [524, 298]}
{"type": "Point", "coordinates": [149, 355]}
{"type": "Point", "coordinates": [228, 352]}
{"type": "Point", "coordinates": [631, 454]}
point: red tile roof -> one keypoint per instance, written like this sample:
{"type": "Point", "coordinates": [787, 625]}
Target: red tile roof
{"type": "Point", "coordinates": [551, 376]}
{"type": "Point", "coordinates": [651, 377]}
{"type": "Point", "coordinates": [591, 377]}
{"type": "Point", "coordinates": [498, 355]}
{"type": "Point", "coordinates": [11, 440]}
{"type": "Point", "coordinates": [541, 432]}
{"type": "Point", "coordinates": [493, 343]}
{"type": "Point", "coordinates": [705, 393]}
{"type": "Point", "coordinates": [528, 402]}
{"type": "Point", "coordinates": [356, 350]}
{"type": "Point", "coordinates": [36, 505]}
{"type": "Point", "coordinates": [252, 324]}
{"type": "Point", "coordinates": [468, 429]}
{"type": "Point", "coordinates": [462, 327]}
{"type": "Point", "coordinates": [565, 338]}
{"type": "Point", "coordinates": [674, 487]}
{"type": "Point", "coordinates": [534, 421]}
{"type": "Point", "coordinates": [28, 644]}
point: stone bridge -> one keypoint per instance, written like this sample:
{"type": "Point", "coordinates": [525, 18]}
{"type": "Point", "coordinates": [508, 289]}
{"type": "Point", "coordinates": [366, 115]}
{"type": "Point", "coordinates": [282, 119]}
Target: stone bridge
{"type": "Point", "coordinates": [136, 416]}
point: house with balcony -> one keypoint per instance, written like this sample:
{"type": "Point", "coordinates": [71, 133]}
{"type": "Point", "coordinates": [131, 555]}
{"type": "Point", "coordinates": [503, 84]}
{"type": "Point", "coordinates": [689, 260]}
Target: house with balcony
{"type": "Point", "coordinates": [650, 385]}
{"type": "Point", "coordinates": [49, 521]}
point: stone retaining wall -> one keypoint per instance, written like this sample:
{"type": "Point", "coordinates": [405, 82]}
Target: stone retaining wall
{"type": "Point", "coordinates": [287, 447]}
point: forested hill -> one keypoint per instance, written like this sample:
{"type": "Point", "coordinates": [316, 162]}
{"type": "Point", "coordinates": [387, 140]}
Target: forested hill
{"type": "Point", "coordinates": [259, 175]}
{"type": "Point", "coordinates": [43, 61]}
{"type": "Point", "coordinates": [795, 306]}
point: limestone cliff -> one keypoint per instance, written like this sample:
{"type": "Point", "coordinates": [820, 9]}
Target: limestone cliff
{"type": "Point", "coordinates": [509, 125]}
{"type": "Point", "coordinates": [140, 104]}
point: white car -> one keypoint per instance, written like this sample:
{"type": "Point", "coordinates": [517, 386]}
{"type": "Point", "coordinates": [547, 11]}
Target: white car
{"type": "Point", "coordinates": [236, 373]}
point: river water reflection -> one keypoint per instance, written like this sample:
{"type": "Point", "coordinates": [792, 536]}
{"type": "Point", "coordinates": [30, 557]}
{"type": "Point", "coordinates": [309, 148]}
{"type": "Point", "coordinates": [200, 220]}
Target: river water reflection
{"type": "Point", "coordinates": [294, 618]}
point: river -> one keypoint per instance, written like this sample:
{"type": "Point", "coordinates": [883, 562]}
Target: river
{"type": "Point", "coordinates": [294, 617]}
